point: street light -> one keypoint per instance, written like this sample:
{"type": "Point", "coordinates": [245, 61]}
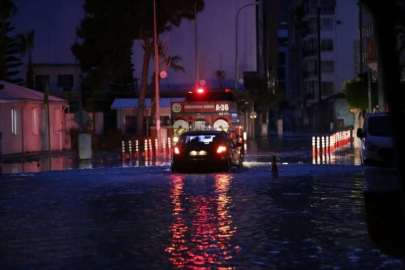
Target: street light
{"type": "Point", "coordinates": [236, 42]}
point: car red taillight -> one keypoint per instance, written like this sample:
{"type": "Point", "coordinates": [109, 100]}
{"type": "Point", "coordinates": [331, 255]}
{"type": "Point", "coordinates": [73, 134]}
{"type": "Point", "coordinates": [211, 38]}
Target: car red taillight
{"type": "Point", "coordinates": [221, 149]}
{"type": "Point", "coordinates": [176, 150]}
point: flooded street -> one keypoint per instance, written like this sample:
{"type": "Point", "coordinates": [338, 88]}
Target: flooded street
{"type": "Point", "coordinates": [310, 217]}
{"type": "Point", "coordinates": [289, 149]}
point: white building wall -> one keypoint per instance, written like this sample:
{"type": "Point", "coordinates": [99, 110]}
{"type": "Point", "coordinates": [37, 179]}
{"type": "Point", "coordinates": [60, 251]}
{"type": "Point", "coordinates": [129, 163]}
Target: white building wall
{"type": "Point", "coordinates": [13, 144]}
{"type": "Point", "coordinates": [216, 45]}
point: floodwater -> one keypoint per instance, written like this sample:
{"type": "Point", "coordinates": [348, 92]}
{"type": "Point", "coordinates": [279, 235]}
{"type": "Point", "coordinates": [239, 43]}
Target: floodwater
{"type": "Point", "coordinates": [288, 150]}
{"type": "Point", "coordinates": [310, 217]}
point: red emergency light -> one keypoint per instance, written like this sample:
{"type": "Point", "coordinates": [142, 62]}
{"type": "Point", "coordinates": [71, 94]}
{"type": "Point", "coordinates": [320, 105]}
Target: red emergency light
{"type": "Point", "coordinates": [227, 90]}
{"type": "Point", "coordinates": [200, 91]}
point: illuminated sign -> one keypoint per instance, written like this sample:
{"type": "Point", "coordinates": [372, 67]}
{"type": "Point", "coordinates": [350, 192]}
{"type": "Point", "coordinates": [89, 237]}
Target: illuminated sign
{"type": "Point", "coordinates": [204, 107]}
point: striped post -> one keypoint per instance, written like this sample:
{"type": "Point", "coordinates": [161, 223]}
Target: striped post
{"type": "Point", "coordinates": [323, 145]}
{"type": "Point", "coordinates": [150, 147]}
{"type": "Point", "coordinates": [313, 147]}
{"type": "Point", "coordinates": [137, 148]}
{"type": "Point", "coordinates": [318, 145]}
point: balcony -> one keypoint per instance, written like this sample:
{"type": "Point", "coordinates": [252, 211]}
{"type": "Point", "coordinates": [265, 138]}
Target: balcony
{"type": "Point", "coordinates": [308, 74]}
{"type": "Point", "coordinates": [308, 52]}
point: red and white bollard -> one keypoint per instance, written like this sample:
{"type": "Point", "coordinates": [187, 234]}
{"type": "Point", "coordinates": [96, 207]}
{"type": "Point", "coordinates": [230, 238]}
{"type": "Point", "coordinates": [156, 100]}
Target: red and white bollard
{"type": "Point", "coordinates": [137, 149]}
{"type": "Point", "coordinates": [150, 147]}
{"type": "Point", "coordinates": [313, 147]}
{"type": "Point", "coordinates": [318, 145]}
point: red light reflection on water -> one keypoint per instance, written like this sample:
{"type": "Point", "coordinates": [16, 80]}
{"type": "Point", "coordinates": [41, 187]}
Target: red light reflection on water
{"type": "Point", "coordinates": [207, 241]}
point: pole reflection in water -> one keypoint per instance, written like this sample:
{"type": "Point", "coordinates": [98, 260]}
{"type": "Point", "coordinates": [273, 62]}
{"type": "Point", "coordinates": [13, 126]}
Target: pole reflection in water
{"type": "Point", "coordinates": [207, 241]}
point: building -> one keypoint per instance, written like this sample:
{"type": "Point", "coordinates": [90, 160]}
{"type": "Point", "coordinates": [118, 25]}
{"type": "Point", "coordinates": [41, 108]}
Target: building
{"type": "Point", "coordinates": [24, 121]}
{"type": "Point", "coordinates": [338, 31]}
{"type": "Point", "coordinates": [63, 80]}
{"type": "Point", "coordinates": [127, 113]}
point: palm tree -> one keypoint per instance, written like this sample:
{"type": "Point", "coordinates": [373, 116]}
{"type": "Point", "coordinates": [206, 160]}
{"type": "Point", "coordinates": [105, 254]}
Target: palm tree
{"type": "Point", "coordinates": [26, 46]}
{"type": "Point", "coordinates": [7, 10]}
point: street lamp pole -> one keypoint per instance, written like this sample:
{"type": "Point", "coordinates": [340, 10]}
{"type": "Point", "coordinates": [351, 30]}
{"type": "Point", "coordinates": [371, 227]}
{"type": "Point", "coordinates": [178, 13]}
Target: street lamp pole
{"type": "Point", "coordinates": [236, 42]}
{"type": "Point", "coordinates": [156, 74]}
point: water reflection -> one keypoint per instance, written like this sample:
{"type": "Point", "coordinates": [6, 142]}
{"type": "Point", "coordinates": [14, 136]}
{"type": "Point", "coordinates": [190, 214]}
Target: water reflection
{"type": "Point", "coordinates": [207, 240]}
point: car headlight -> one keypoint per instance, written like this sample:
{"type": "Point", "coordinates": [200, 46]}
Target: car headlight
{"type": "Point", "coordinates": [371, 147]}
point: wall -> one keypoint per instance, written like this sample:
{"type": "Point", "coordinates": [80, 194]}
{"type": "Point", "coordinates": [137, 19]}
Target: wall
{"type": "Point", "coordinates": [56, 70]}
{"type": "Point", "coordinates": [13, 144]}
{"type": "Point", "coordinates": [122, 113]}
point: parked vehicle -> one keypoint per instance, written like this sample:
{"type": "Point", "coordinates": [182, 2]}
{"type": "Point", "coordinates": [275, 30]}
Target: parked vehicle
{"type": "Point", "coordinates": [197, 150]}
{"type": "Point", "coordinates": [377, 142]}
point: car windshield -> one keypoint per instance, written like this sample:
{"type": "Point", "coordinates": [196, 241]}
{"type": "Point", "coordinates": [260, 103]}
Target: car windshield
{"type": "Point", "coordinates": [205, 139]}
{"type": "Point", "coordinates": [379, 126]}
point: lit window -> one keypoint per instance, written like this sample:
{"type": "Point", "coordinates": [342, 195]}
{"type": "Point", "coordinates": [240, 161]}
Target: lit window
{"type": "Point", "coordinates": [35, 121]}
{"type": "Point", "coordinates": [14, 121]}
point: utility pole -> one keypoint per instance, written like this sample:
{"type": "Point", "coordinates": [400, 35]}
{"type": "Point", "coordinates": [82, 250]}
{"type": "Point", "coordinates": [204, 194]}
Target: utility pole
{"type": "Point", "coordinates": [318, 17]}
{"type": "Point", "coordinates": [46, 99]}
{"type": "Point", "coordinates": [156, 74]}
{"type": "Point", "coordinates": [197, 72]}
{"type": "Point", "coordinates": [360, 38]}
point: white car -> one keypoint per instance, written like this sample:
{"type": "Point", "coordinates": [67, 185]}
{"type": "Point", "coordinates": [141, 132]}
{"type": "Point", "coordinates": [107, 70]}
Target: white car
{"type": "Point", "coordinates": [377, 142]}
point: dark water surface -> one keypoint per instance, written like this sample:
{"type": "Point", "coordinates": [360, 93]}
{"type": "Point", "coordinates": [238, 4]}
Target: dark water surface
{"type": "Point", "coordinates": [311, 217]}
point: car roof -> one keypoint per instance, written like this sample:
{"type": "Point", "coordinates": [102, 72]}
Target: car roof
{"type": "Point", "coordinates": [203, 132]}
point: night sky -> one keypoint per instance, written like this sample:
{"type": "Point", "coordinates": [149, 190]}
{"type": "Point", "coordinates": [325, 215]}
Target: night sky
{"type": "Point", "coordinates": [54, 22]}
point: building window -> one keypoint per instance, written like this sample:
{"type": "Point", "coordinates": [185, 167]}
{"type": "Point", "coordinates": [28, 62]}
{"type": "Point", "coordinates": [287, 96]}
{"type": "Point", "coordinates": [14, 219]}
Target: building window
{"type": "Point", "coordinates": [41, 81]}
{"type": "Point", "coordinates": [328, 67]}
{"type": "Point", "coordinates": [281, 58]}
{"type": "Point", "coordinates": [327, 45]}
{"type": "Point", "coordinates": [14, 121]}
{"type": "Point", "coordinates": [327, 24]}
{"type": "Point", "coordinates": [35, 121]}
{"type": "Point", "coordinates": [65, 82]}
{"type": "Point", "coordinates": [327, 88]}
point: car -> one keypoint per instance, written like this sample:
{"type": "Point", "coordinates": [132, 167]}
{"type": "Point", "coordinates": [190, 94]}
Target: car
{"type": "Point", "coordinates": [377, 142]}
{"type": "Point", "coordinates": [206, 149]}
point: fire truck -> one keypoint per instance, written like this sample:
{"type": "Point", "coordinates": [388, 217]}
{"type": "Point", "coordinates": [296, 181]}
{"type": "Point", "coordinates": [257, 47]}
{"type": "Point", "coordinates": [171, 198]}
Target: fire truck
{"type": "Point", "coordinates": [207, 110]}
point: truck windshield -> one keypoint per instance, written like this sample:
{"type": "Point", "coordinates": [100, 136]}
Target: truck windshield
{"type": "Point", "coordinates": [379, 126]}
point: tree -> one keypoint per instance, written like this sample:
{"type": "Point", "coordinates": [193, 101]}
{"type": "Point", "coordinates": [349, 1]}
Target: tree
{"type": "Point", "coordinates": [124, 85]}
{"type": "Point", "coordinates": [26, 45]}
{"type": "Point", "coordinates": [356, 91]}
{"type": "Point", "coordinates": [9, 62]}
{"type": "Point", "coordinates": [263, 95]}
{"type": "Point", "coordinates": [109, 29]}
{"type": "Point", "coordinates": [167, 61]}
{"type": "Point", "coordinates": [169, 14]}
